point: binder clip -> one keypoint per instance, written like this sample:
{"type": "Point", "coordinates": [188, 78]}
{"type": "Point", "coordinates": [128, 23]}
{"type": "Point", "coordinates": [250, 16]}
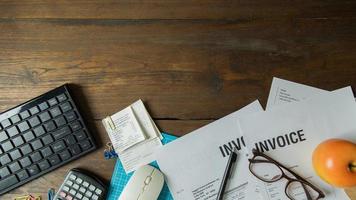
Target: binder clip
{"type": "Point", "coordinates": [110, 153]}
{"type": "Point", "coordinates": [109, 123]}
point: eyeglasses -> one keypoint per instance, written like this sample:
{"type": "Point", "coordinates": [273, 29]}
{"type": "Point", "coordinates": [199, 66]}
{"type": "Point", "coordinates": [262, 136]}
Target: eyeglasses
{"type": "Point", "coordinates": [296, 188]}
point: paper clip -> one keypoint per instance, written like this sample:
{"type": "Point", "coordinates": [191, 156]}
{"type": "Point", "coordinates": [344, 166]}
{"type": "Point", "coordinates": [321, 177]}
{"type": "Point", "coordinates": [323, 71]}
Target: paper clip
{"type": "Point", "coordinates": [50, 193]}
{"type": "Point", "coordinates": [28, 197]}
{"type": "Point", "coordinates": [110, 152]}
{"type": "Point", "coordinates": [109, 123]}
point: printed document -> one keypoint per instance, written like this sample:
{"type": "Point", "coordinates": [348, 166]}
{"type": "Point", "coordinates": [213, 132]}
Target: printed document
{"type": "Point", "coordinates": [289, 133]}
{"type": "Point", "coordinates": [194, 164]}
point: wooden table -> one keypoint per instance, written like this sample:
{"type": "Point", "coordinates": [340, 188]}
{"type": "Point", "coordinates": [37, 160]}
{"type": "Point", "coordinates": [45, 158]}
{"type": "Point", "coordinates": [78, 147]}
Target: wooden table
{"type": "Point", "coordinates": [191, 62]}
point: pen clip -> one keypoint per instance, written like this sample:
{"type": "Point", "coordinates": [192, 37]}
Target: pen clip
{"type": "Point", "coordinates": [109, 123]}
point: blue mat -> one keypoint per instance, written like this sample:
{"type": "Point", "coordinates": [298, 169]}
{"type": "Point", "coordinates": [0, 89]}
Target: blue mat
{"type": "Point", "coordinates": [119, 178]}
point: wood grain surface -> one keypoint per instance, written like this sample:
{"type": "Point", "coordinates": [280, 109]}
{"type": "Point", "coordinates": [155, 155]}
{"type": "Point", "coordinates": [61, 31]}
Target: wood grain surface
{"type": "Point", "coordinates": [191, 62]}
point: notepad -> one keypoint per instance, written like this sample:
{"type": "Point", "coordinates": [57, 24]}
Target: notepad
{"type": "Point", "coordinates": [119, 178]}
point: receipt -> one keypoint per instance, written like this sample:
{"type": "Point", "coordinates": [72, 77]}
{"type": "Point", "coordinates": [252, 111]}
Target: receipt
{"type": "Point", "coordinates": [124, 131]}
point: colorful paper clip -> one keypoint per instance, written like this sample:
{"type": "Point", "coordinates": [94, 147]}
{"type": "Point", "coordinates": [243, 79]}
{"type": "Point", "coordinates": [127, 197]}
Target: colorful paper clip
{"type": "Point", "coordinates": [110, 153]}
{"type": "Point", "coordinates": [28, 197]}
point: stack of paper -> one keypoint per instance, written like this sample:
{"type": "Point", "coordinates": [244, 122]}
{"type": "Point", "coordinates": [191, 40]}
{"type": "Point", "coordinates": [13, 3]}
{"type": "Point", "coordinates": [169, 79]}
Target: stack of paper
{"type": "Point", "coordinates": [297, 119]}
{"type": "Point", "coordinates": [134, 135]}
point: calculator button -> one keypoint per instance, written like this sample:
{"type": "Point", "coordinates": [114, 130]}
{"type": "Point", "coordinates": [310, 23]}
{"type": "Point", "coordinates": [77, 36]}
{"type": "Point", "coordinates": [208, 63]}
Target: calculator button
{"type": "Point", "coordinates": [82, 190]}
{"type": "Point", "coordinates": [62, 194]}
{"type": "Point", "coordinates": [78, 195]}
{"type": "Point", "coordinates": [98, 191]}
{"type": "Point", "coordinates": [95, 197]}
{"type": "Point", "coordinates": [69, 183]}
{"type": "Point", "coordinates": [91, 187]}
{"type": "Point", "coordinates": [72, 192]}
{"type": "Point", "coordinates": [85, 198]}
{"type": "Point", "coordinates": [86, 184]}
{"type": "Point", "coordinates": [88, 194]}
{"type": "Point", "coordinates": [79, 180]}
{"type": "Point", "coordinates": [72, 176]}
{"type": "Point", "coordinates": [76, 186]}
{"type": "Point", "coordinates": [66, 188]}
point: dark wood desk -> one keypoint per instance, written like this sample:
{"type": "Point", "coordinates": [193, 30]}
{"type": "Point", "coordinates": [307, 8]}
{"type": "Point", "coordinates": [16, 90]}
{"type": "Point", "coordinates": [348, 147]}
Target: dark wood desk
{"type": "Point", "coordinates": [190, 62]}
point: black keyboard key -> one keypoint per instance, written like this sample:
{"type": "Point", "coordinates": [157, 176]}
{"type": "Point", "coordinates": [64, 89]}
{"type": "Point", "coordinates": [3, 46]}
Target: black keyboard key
{"type": "Point", "coordinates": [52, 102]}
{"type": "Point", "coordinates": [37, 144]}
{"type": "Point", "coordinates": [26, 149]}
{"type": "Point", "coordinates": [43, 106]}
{"type": "Point", "coordinates": [28, 136]}
{"type": "Point", "coordinates": [34, 121]}
{"type": "Point", "coordinates": [45, 116]}
{"type": "Point", "coordinates": [60, 133]}
{"type": "Point", "coordinates": [12, 131]}
{"type": "Point", "coordinates": [65, 155]}
{"type": "Point", "coordinates": [3, 136]}
{"type": "Point", "coordinates": [39, 131]}
{"type": "Point", "coordinates": [18, 141]}
{"type": "Point", "coordinates": [4, 159]}
{"type": "Point", "coordinates": [33, 170]}
{"type": "Point", "coordinates": [76, 126]}
{"type": "Point", "coordinates": [66, 107]}
{"type": "Point", "coordinates": [36, 157]}
{"type": "Point", "coordinates": [55, 112]}
{"type": "Point", "coordinates": [49, 126]}
{"type": "Point", "coordinates": [85, 145]}
{"type": "Point", "coordinates": [46, 152]}
{"type": "Point", "coordinates": [8, 181]}
{"type": "Point", "coordinates": [34, 110]}
{"type": "Point", "coordinates": [25, 162]}
{"type": "Point", "coordinates": [54, 160]}
{"type": "Point", "coordinates": [23, 126]}
{"type": "Point", "coordinates": [22, 175]}
{"type": "Point", "coordinates": [44, 165]}
{"type": "Point", "coordinates": [70, 116]}
{"type": "Point", "coordinates": [15, 154]}
{"type": "Point", "coordinates": [80, 135]}
{"type": "Point", "coordinates": [62, 97]}
{"type": "Point", "coordinates": [14, 167]}
{"type": "Point", "coordinates": [75, 149]}
{"type": "Point", "coordinates": [60, 121]}
{"type": "Point", "coordinates": [6, 123]}
{"type": "Point", "coordinates": [58, 146]}
{"type": "Point", "coordinates": [15, 119]}
{"type": "Point", "coordinates": [7, 146]}
{"type": "Point", "coordinates": [47, 139]}
{"type": "Point", "coordinates": [70, 140]}
{"type": "Point", "coordinates": [25, 114]}
{"type": "Point", "coordinates": [4, 172]}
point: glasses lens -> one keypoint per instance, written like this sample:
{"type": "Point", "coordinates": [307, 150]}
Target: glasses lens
{"type": "Point", "coordinates": [265, 169]}
{"type": "Point", "coordinates": [300, 191]}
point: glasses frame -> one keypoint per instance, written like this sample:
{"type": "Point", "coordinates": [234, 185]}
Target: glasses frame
{"type": "Point", "coordinates": [297, 178]}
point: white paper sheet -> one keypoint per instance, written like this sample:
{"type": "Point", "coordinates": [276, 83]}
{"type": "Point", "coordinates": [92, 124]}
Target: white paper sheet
{"type": "Point", "coordinates": [318, 118]}
{"type": "Point", "coordinates": [194, 164]}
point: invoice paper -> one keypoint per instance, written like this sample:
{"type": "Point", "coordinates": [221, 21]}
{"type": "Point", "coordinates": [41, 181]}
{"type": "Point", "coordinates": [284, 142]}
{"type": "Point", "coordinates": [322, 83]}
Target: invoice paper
{"type": "Point", "coordinates": [194, 164]}
{"type": "Point", "coordinates": [290, 132]}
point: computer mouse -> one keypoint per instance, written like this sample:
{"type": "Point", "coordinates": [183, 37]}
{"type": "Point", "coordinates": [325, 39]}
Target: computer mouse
{"type": "Point", "coordinates": [145, 184]}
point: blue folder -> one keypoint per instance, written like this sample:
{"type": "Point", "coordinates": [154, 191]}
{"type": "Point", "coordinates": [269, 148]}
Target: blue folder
{"type": "Point", "coordinates": [119, 178]}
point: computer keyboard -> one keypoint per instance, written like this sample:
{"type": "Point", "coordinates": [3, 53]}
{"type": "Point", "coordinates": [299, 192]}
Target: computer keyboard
{"type": "Point", "coordinates": [40, 135]}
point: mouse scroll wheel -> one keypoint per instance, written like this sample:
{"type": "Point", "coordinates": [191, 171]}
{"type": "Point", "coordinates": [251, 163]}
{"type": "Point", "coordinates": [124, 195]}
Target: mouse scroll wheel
{"type": "Point", "coordinates": [148, 180]}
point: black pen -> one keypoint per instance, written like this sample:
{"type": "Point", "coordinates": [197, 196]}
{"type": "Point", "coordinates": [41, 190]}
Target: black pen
{"type": "Point", "coordinates": [227, 173]}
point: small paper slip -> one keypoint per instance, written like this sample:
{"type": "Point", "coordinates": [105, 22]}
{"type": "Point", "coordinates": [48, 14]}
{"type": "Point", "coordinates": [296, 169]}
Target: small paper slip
{"type": "Point", "coordinates": [124, 130]}
{"type": "Point", "coordinates": [134, 135]}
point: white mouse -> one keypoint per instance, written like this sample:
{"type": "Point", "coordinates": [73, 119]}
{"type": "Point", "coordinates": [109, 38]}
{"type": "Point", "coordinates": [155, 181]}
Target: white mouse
{"type": "Point", "coordinates": [145, 184]}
